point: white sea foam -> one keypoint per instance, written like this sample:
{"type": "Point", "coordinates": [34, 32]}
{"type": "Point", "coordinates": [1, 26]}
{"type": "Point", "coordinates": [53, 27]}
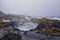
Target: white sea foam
{"type": "Point", "coordinates": [27, 26]}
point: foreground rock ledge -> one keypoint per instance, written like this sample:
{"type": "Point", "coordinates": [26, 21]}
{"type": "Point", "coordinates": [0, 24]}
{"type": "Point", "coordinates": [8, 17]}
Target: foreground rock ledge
{"type": "Point", "coordinates": [12, 36]}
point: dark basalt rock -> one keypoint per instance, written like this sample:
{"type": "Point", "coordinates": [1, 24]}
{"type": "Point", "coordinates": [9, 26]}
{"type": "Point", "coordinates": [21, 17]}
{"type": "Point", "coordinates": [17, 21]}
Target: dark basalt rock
{"type": "Point", "coordinates": [12, 36]}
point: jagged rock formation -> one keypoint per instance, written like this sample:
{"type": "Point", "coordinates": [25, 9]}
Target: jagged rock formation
{"type": "Point", "coordinates": [12, 36]}
{"type": "Point", "coordinates": [49, 27]}
{"type": "Point", "coordinates": [8, 16]}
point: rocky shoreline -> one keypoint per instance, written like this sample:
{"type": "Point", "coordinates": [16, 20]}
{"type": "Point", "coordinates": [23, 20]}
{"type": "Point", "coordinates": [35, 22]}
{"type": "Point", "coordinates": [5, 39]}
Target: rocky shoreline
{"type": "Point", "coordinates": [27, 28]}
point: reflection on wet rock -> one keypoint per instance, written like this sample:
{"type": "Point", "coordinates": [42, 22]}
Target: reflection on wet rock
{"type": "Point", "coordinates": [35, 35]}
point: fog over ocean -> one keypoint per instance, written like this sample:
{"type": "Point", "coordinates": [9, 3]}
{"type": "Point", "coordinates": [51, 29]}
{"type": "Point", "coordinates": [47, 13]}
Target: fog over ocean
{"type": "Point", "coordinates": [38, 8]}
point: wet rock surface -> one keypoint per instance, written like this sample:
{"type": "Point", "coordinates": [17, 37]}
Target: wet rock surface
{"type": "Point", "coordinates": [25, 30]}
{"type": "Point", "coordinates": [36, 36]}
{"type": "Point", "coordinates": [29, 36]}
{"type": "Point", "coordinates": [11, 36]}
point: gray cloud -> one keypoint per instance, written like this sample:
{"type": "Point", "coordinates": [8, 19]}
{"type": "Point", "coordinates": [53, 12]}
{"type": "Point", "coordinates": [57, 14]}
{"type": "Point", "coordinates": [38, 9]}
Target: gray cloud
{"type": "Point", "coordinates": [32, 7]}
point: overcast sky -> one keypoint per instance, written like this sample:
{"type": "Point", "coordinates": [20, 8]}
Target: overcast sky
{"type": "Point", "coordinates": [32, 7]}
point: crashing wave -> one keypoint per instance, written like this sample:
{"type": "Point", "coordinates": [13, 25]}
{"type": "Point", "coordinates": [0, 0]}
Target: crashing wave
{"type": "Point", "coordinates": [55, 18]}
{"type": "Point", "coordinates": [27, 26]}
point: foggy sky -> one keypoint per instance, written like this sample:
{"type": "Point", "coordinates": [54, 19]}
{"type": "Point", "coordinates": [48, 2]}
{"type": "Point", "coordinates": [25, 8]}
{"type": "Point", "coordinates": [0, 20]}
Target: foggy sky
{"type": "Point", "coordinates": [42, 8]}
{"type": "Point", "coordinates": [0, 4]}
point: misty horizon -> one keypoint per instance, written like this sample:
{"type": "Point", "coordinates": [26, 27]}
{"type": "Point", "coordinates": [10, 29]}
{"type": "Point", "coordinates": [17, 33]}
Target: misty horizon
{"type": "Point", "coordinates": [38, 8]}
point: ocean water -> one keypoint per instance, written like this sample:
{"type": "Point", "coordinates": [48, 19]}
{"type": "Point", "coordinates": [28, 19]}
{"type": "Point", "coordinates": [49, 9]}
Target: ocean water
{"type": "Point", "coordinates": [27, 26]}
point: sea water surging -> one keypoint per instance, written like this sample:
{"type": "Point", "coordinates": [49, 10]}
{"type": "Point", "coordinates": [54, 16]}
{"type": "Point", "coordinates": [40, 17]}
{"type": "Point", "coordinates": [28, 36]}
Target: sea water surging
{"type": "Point", "coordinates": [26, 26]}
